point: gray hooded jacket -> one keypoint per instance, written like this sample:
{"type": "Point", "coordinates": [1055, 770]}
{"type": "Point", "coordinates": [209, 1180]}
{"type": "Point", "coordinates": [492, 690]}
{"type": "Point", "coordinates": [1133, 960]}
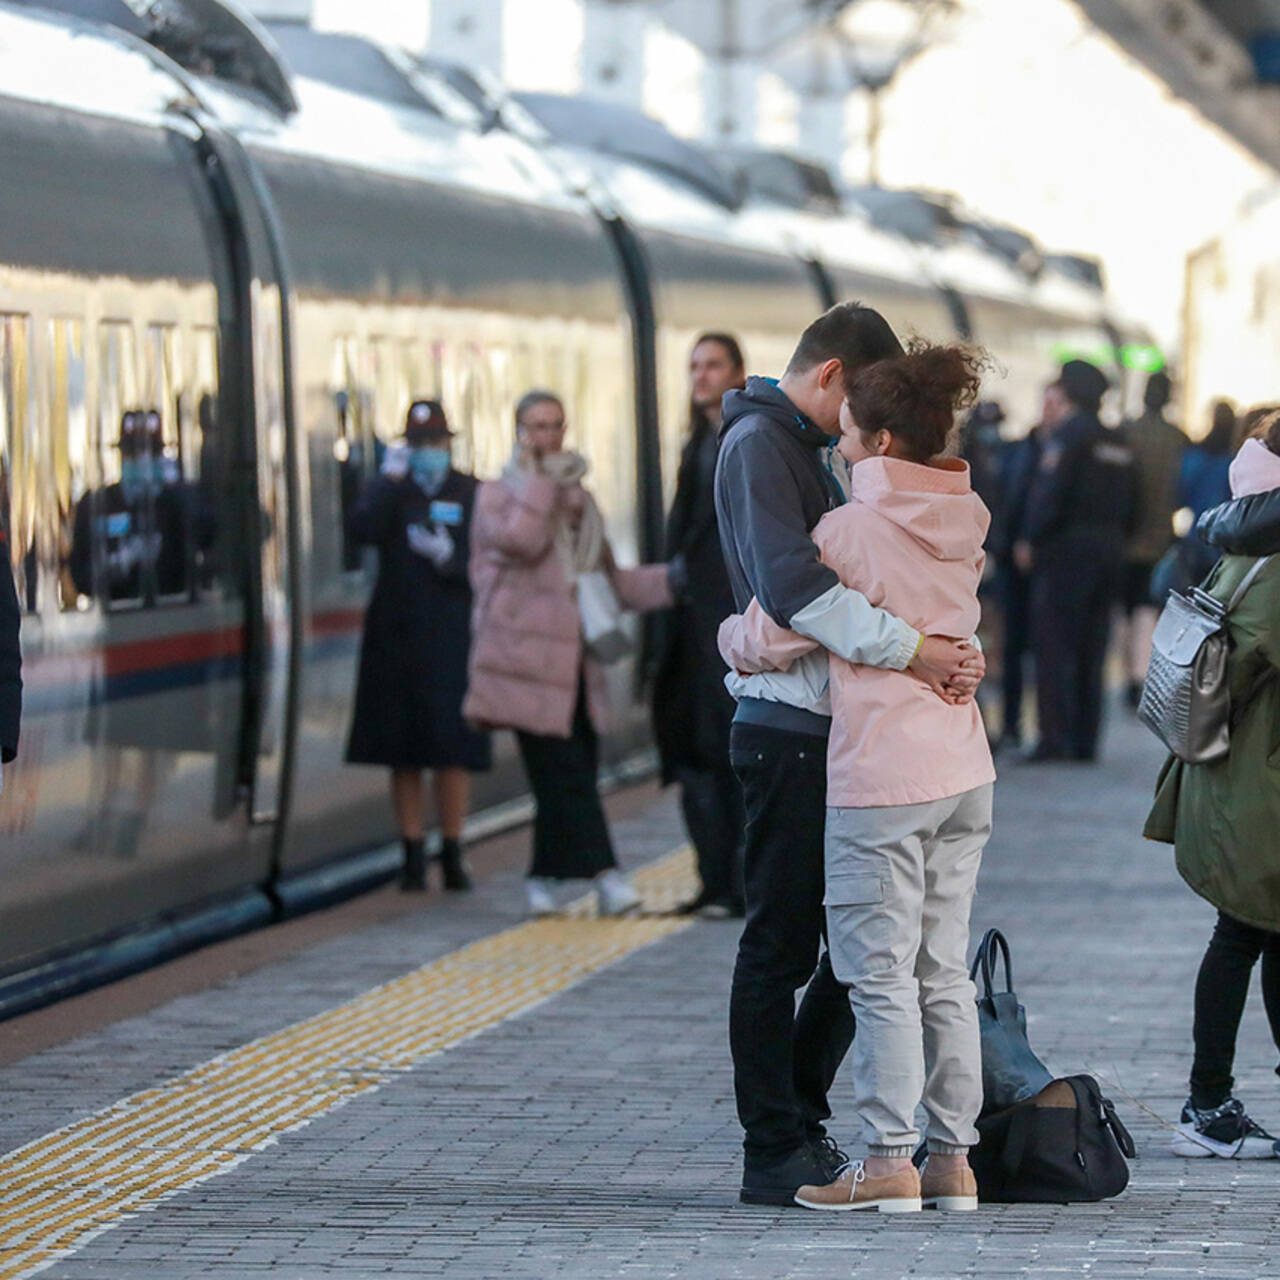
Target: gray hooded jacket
{"type": "Point", "coordinates": [774, 481]}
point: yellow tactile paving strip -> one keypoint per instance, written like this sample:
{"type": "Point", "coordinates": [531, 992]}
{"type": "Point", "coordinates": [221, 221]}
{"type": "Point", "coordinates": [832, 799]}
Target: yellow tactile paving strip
{"type": "Point", "coordinates": [70, 1185]}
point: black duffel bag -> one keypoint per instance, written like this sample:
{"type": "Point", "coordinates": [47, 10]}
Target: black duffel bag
{"type": "Point", "coordinates": [1064, 1146]}
{"type": "Point", "coordinates": [1011, 1072]}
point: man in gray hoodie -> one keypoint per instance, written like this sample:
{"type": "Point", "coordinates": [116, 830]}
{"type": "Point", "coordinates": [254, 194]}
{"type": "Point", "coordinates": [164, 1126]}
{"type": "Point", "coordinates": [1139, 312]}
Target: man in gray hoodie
{"type": "Point", "coordinates": [775, 479]}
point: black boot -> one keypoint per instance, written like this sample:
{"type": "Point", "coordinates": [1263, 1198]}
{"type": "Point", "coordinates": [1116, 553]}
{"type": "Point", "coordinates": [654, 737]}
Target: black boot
{"type": "Point", "coordinates": [413, 875]}
{"type": "Point", "coordinates": [455, 874]}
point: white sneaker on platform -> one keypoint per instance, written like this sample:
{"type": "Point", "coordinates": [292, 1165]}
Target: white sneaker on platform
{"type": "Point", "coordinates": [541, 900]}
{"type": "Point", "coordinates": [615, 894]}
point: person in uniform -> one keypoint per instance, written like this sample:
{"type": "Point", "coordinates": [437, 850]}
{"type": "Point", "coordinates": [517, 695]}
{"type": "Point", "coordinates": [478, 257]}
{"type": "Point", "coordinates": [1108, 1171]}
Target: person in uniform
{"type": "Point", "coordinates": [130, 542]}
{"type": "Point", "coordinates": [417, 635]}
{"type": "Point", "coordinates": [1079, 513]}
{"type": "Point", "coordinates": [692, 709]}
{"type": "Point", "coordinates": [1157, 447]}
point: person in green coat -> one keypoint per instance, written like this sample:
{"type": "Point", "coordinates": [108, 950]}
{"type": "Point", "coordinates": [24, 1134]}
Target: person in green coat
{"type": "Point", "coordinates": [1222, 820]}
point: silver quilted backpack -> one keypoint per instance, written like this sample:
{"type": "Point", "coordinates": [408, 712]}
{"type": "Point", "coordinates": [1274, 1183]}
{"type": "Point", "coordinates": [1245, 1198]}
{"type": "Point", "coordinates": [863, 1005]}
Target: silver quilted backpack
{"type": "Point", "coordinates": [1185, 702]}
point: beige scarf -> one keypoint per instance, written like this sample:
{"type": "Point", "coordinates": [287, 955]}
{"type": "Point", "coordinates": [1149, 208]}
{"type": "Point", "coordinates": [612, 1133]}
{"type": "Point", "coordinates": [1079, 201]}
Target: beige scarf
{"type": "Point", "coordinates": [581, 550]}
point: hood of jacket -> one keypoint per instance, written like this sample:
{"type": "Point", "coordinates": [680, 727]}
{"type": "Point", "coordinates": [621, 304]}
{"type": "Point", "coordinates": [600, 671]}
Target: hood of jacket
{"type": "Point", "coordinates": [762, 396]}
{"type": "Point", "coordinates": [935, 505]}
{"type": "Point", "coordinates": [1255, 469]}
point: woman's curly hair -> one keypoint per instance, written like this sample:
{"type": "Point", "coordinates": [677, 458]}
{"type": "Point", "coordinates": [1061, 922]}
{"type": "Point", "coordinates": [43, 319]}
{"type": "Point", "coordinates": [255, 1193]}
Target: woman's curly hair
{"type": "Point", "coordinates": [916, 396]}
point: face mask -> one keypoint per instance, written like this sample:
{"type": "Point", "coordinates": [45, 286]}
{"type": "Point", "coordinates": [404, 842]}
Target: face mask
{"type": "Point", "coordinates": [429, 464]}
{"type": "Point", "coordinates": [134, 473]}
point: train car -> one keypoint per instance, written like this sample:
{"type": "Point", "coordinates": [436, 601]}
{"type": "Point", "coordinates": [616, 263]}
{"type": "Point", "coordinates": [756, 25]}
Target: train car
{"type": "Point", "coordinates": [276, 262]}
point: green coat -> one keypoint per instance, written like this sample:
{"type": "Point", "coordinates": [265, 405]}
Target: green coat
{"type": "Point", "coordinates": [1223, 819]}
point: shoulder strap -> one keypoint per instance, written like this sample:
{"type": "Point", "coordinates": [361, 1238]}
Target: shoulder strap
{"type": "Point", "coordinates": [1244, 586]}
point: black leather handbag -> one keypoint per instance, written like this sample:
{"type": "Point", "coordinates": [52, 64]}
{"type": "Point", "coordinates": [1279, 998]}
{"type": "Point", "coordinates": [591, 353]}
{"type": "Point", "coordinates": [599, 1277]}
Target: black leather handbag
{"type": "Point", "coordinates": [1064, 1146]}
{"type": "Point", "coordinates": [1011, 1072]}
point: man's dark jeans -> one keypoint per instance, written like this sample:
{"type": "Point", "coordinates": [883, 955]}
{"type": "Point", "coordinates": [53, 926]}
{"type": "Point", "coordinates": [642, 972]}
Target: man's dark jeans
{"type": "Point", "coordinates": [783, 1061]}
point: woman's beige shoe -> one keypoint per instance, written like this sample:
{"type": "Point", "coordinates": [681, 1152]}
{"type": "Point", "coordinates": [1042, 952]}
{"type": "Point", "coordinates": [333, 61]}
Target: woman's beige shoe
{"type": "Point", "coordinates": [951, 1190]}
{"type": "Point", "coordinates": [899, 1193]}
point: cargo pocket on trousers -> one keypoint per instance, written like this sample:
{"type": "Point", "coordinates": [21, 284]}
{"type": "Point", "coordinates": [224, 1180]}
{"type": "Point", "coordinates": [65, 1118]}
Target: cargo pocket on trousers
{"type": "Point", "coordinates": [857, 925]}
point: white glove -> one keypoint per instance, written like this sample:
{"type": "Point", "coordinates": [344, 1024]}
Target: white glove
{"type": "Point", "coordinates": [435, 544]}
{"type": "Point", "coordinates": [395, 462]}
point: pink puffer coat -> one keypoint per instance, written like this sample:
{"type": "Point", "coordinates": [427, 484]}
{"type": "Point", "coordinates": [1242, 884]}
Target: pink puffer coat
{"type": "Point", "coordinates": [526, 634]}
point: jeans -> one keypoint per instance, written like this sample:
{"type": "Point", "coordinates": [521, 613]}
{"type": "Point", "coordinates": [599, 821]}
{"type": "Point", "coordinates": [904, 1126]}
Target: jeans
{"type": "Point", "coordinates": [784, 1060]}
{"type": "Point", "coordinates": [1221, 988]}
{"type": "Point", "coordinates": [900, 883]}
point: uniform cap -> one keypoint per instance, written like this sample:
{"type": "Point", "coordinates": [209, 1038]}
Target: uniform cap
{"type": "Point", "coordinates": [1084, 383]}
{"type": "Point", "coordinates": [426, 421]}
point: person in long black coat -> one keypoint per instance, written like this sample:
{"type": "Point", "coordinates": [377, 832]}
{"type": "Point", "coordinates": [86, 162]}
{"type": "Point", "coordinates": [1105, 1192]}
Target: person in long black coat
{"type": "Point", "coordinates": [417, 635]}
{"type": "Point", "coordinates": [10, 665]}
{"type": "Point", "coordinates": [692, 709]}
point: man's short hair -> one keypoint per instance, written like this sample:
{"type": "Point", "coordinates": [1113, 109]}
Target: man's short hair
{"type": "Point", "coordinates": [531, 399]}
{"type": "Point", "coordinates": [849, 332]}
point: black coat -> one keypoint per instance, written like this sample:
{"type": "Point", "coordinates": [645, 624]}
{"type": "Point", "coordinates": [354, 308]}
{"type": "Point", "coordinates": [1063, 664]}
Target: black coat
{"type": "Point", "coordinates": [10, 667]}
{"type": "Point", "coordinates": [417, 632]}
{"type": "Point", "coordinates": [692, 710]}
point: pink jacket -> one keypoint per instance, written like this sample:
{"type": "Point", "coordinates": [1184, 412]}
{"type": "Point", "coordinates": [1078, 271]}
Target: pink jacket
{"type": "Point", "coordinates": [526, 635]}
{"type": "Point", "coordinates": [910, 539]}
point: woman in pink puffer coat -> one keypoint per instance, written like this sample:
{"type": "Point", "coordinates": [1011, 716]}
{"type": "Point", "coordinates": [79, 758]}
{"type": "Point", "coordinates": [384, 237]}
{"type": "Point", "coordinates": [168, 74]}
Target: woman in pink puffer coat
{"type": "Point", "coordinates": [533, 532]}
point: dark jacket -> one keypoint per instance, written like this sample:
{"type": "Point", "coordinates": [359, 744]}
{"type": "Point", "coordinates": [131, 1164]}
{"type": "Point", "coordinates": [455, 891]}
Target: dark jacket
{"type": "Point", "coordinates": [10, 666]}
{"type": "Point", "coordinates": [1244, 526]}
{"type": "Point", "coordinates": [692, 710]}
{"type": "Point", "coordinates": [1084, 485]}
{"type": "Point", "coordinates": [1205, 480]}
{"type": "Point", "coordinates": [417, 632]}
{"type": "Point", "coordinates": [771, 489]}
{"type": "Point", "coordinates": [1019, 461]}
{"type": "Point", "coordinates": [1222, 817]}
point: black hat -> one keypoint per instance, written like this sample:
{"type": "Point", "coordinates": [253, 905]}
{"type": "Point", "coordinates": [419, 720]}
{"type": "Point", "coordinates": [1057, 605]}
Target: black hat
{"type": "Point", "coordinates": [131, 432]}
{"type": "Point", "coordinates": [1084, 383]}
{"type": "Point", "coordinates": [426, 422]}
{"type": "Point", "coordinates": [987, 413]}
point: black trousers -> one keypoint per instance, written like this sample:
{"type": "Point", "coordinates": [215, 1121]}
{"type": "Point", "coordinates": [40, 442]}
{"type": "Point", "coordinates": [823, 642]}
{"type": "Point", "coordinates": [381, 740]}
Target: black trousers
{"type": "Point", "coordinates": [570, 835]}
{"type": "Point", "coordinates": [711, 801]}
{"type": "Point", "coordinates": [1074, 588]}
{"type": "Point", "coordinates": [784, 1060]}
{"type": "Point", "coordinates": [1221, 989]}
{"type": "Point", "coordinates": [1015, 596]}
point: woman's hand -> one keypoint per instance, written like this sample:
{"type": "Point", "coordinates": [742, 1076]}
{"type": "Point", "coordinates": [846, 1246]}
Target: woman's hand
{"type": "Point", "coordinates": [953, 669]}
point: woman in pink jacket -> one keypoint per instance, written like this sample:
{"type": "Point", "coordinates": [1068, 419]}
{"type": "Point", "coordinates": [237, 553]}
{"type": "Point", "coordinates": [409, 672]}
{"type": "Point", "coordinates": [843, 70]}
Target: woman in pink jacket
{"type": "Point", "coordinates": [534, 532]}
{"type": "Point", "coordinates": [909, 782]}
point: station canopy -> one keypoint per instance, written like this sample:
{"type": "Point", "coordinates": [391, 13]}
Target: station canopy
{"type": "Point", "coordinates": [1222, 56]}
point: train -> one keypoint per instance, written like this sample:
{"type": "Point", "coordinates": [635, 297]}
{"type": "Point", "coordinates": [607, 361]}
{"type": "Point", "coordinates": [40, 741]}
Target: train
{"type": "Point", "coordinates": [272, 240]}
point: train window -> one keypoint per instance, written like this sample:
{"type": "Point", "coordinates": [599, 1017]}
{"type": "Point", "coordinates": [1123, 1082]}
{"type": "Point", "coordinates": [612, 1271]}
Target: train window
{"type": "Point", "coordinates": [117, 391]}
{"type": "Point", "coordinates": [19, 488]}
{"type": "Point", "coordinates": [353, 444]}
{"type": "Point", "coordinates": [69, 441]}
{"type": "Point", "coordinates": [160, 384]}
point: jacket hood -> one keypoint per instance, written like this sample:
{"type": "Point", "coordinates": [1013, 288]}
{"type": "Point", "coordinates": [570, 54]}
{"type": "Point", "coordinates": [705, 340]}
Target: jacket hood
{"type": "Point", "coordinates": [761, 396]}
{"type": "Point", "coordinates": [935, 505]}
{"type": "Point", "coordinates": [1255, 469]}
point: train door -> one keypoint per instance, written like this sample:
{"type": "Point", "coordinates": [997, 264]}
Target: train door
{"type": "Point", "coordinates": [255, 324]}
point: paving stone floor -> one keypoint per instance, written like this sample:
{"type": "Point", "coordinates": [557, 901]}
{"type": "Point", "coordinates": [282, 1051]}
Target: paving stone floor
{"type": "Point", "coordinates": [595, 1136]}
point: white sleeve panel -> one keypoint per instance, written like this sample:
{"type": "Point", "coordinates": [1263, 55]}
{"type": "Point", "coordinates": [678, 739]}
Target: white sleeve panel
{"type": "Point", "coordinates": [850, 626]}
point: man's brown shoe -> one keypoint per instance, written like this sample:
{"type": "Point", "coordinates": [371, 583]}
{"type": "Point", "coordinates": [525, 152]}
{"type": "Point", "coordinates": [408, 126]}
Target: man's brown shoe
{"type": "Point", "coordinates": [898, 1193]}
{"type": "Point", "coordinates": [951, 1190]}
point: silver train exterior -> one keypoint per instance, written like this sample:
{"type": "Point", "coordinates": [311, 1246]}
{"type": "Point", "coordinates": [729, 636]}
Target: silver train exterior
{"type": "Point", "coordinates": [279, 286]}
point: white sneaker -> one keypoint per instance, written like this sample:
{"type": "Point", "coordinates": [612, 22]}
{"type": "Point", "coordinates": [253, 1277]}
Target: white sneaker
{"type": "Point", "coordinates": [541, 900]}
{"type": "Point", "coordinates": [1226, 1132]}
{"type": "Point", "coordinates": [615, 894]}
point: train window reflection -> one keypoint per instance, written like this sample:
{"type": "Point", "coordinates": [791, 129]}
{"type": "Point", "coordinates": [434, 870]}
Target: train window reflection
{"type": "Point", "coordinates": [354, 444]}
{"type": "Point", "coordinates": [19, 487]}
{"type": "Point", "coordinates": [69, 439]}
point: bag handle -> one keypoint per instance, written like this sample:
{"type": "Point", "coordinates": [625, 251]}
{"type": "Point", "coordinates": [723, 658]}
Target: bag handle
{"type": "Point", "coordinates": [1238, 594]}
{"type": "Point", "coordinates": [986, 958]}
{"type": "Point", "coordinates": [1124, 1139]}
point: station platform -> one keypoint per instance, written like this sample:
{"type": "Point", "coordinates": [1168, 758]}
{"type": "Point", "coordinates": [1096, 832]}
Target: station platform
{"type": "Point", "coordinates": [422, 1087]}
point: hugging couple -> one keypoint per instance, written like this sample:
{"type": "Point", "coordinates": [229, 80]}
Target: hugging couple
{"type": "Point", "coordinates": [854, 546]}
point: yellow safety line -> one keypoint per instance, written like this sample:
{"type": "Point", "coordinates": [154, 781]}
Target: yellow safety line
{"type": "Point", "coordinates": [62, 1189]}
